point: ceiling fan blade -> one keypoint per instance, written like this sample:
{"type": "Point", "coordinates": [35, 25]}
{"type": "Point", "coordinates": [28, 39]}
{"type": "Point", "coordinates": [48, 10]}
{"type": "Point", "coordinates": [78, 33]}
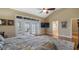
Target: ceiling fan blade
{"type": "Point", "coordinates": [48, 8]}
{"type": "Point", "coordinates": [51, 9]}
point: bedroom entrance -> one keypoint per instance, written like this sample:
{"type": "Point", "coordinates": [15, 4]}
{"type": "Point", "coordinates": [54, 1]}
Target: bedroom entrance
{"type": "Point", "coordinates": [78, 33]}
{"type": "Point", "coordinates": [55, 29]}
{"type": "Point", "coordinates": [30, 28]}
{"type": "Point", "coordinates": [75, 32]}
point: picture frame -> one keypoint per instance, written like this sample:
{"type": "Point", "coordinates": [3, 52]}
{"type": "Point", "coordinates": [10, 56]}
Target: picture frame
{"type": "Point", "coordinates": [64, 24]}
{"type": "Point", "coordinates": [10, 22]}
{"type": "Point", "coordinates": [3, 22]}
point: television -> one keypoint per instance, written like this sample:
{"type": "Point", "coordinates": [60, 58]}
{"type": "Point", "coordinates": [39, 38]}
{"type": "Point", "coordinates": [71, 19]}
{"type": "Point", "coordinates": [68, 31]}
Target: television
{"type": "Point", "coordinates": [44, 25]}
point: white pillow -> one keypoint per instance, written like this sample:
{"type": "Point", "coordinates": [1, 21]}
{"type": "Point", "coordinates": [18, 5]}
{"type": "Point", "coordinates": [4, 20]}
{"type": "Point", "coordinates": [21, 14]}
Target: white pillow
{"type": "Point", "coordinates": [1, 38]}
{"type": "Point", "coordinates": [1, 42]}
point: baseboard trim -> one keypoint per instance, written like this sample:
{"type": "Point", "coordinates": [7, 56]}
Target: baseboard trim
{"type": "Point", "coordinates": [65, 36]}
{"type": "Point", "coordinates": [62, 37]}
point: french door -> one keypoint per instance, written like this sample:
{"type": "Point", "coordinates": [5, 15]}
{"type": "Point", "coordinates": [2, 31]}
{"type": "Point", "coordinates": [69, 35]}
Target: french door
{"type": "Point", "coordinates": [25, 26]}
{"type": "Point", "coordinates": [33, 28]}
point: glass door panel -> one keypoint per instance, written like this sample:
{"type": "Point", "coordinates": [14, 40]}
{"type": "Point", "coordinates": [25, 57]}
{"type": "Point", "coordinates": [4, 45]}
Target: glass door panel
{"type": "Point", "coordinates": [33, 28]}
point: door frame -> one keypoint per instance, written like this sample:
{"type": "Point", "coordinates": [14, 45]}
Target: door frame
{"type": "Point", "coordinates": [75, 37]}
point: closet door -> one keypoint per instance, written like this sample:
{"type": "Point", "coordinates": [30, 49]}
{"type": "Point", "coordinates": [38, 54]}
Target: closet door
{"type": "Point", "coordinates": [55, 28]}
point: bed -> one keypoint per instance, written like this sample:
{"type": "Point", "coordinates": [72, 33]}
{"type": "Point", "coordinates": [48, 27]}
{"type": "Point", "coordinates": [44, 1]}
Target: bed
{"type": "Point", "coordinates": [29, 42]}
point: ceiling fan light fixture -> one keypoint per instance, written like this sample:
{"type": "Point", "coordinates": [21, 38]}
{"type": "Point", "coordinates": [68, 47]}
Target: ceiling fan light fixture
{"type": "Point", "coordinates": [44, 11]}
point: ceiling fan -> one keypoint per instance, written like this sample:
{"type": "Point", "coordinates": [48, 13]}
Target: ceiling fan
{"type": "Point", "coordinates": [46, 10]}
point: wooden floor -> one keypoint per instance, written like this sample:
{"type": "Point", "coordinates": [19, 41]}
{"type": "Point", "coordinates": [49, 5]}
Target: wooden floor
{"type": "Point", "coordinates": [73, 39]}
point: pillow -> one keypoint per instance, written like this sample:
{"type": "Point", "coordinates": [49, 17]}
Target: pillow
{"type": "Point", "coordinates": [1, 42]}
{"type": "Point", "coordinates": [1, 38]}
{"type": "Point", "coordinates": [1, 46]}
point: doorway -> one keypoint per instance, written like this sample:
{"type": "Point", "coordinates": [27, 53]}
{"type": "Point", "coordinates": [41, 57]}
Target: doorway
{"type": "Point", "coordinates": [24, 27]}
{"type": "Point", "coordinates": [75, 32]}
{"type": "Point", "coordinates": [55, 29]}
{"type": "Point", "coordinates": [78, 33]}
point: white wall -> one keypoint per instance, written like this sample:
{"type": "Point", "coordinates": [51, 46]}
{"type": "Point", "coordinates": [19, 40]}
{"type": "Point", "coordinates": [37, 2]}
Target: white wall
{"type": "Point", "coordinates": [65, 14]}
{"type": "Point", "coordinates": [65, 32]}
{"type": "Point", "coordinates": [9, 30]}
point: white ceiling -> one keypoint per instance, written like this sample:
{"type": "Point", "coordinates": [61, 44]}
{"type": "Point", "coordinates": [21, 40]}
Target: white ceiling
{"type": "Point", "coordinates": [35, 11]}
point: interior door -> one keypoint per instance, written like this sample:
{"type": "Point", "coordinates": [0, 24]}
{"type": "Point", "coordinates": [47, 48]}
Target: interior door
{"type": "Point", "coordinates": [78, 34]}
{"type": "Point", "coordinates": [55, 28]}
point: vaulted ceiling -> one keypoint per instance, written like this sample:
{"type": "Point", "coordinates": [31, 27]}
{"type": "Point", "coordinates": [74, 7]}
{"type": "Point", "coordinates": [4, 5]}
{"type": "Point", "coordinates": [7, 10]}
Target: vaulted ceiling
{"type": "Point", "coordinates": [36, 11]}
